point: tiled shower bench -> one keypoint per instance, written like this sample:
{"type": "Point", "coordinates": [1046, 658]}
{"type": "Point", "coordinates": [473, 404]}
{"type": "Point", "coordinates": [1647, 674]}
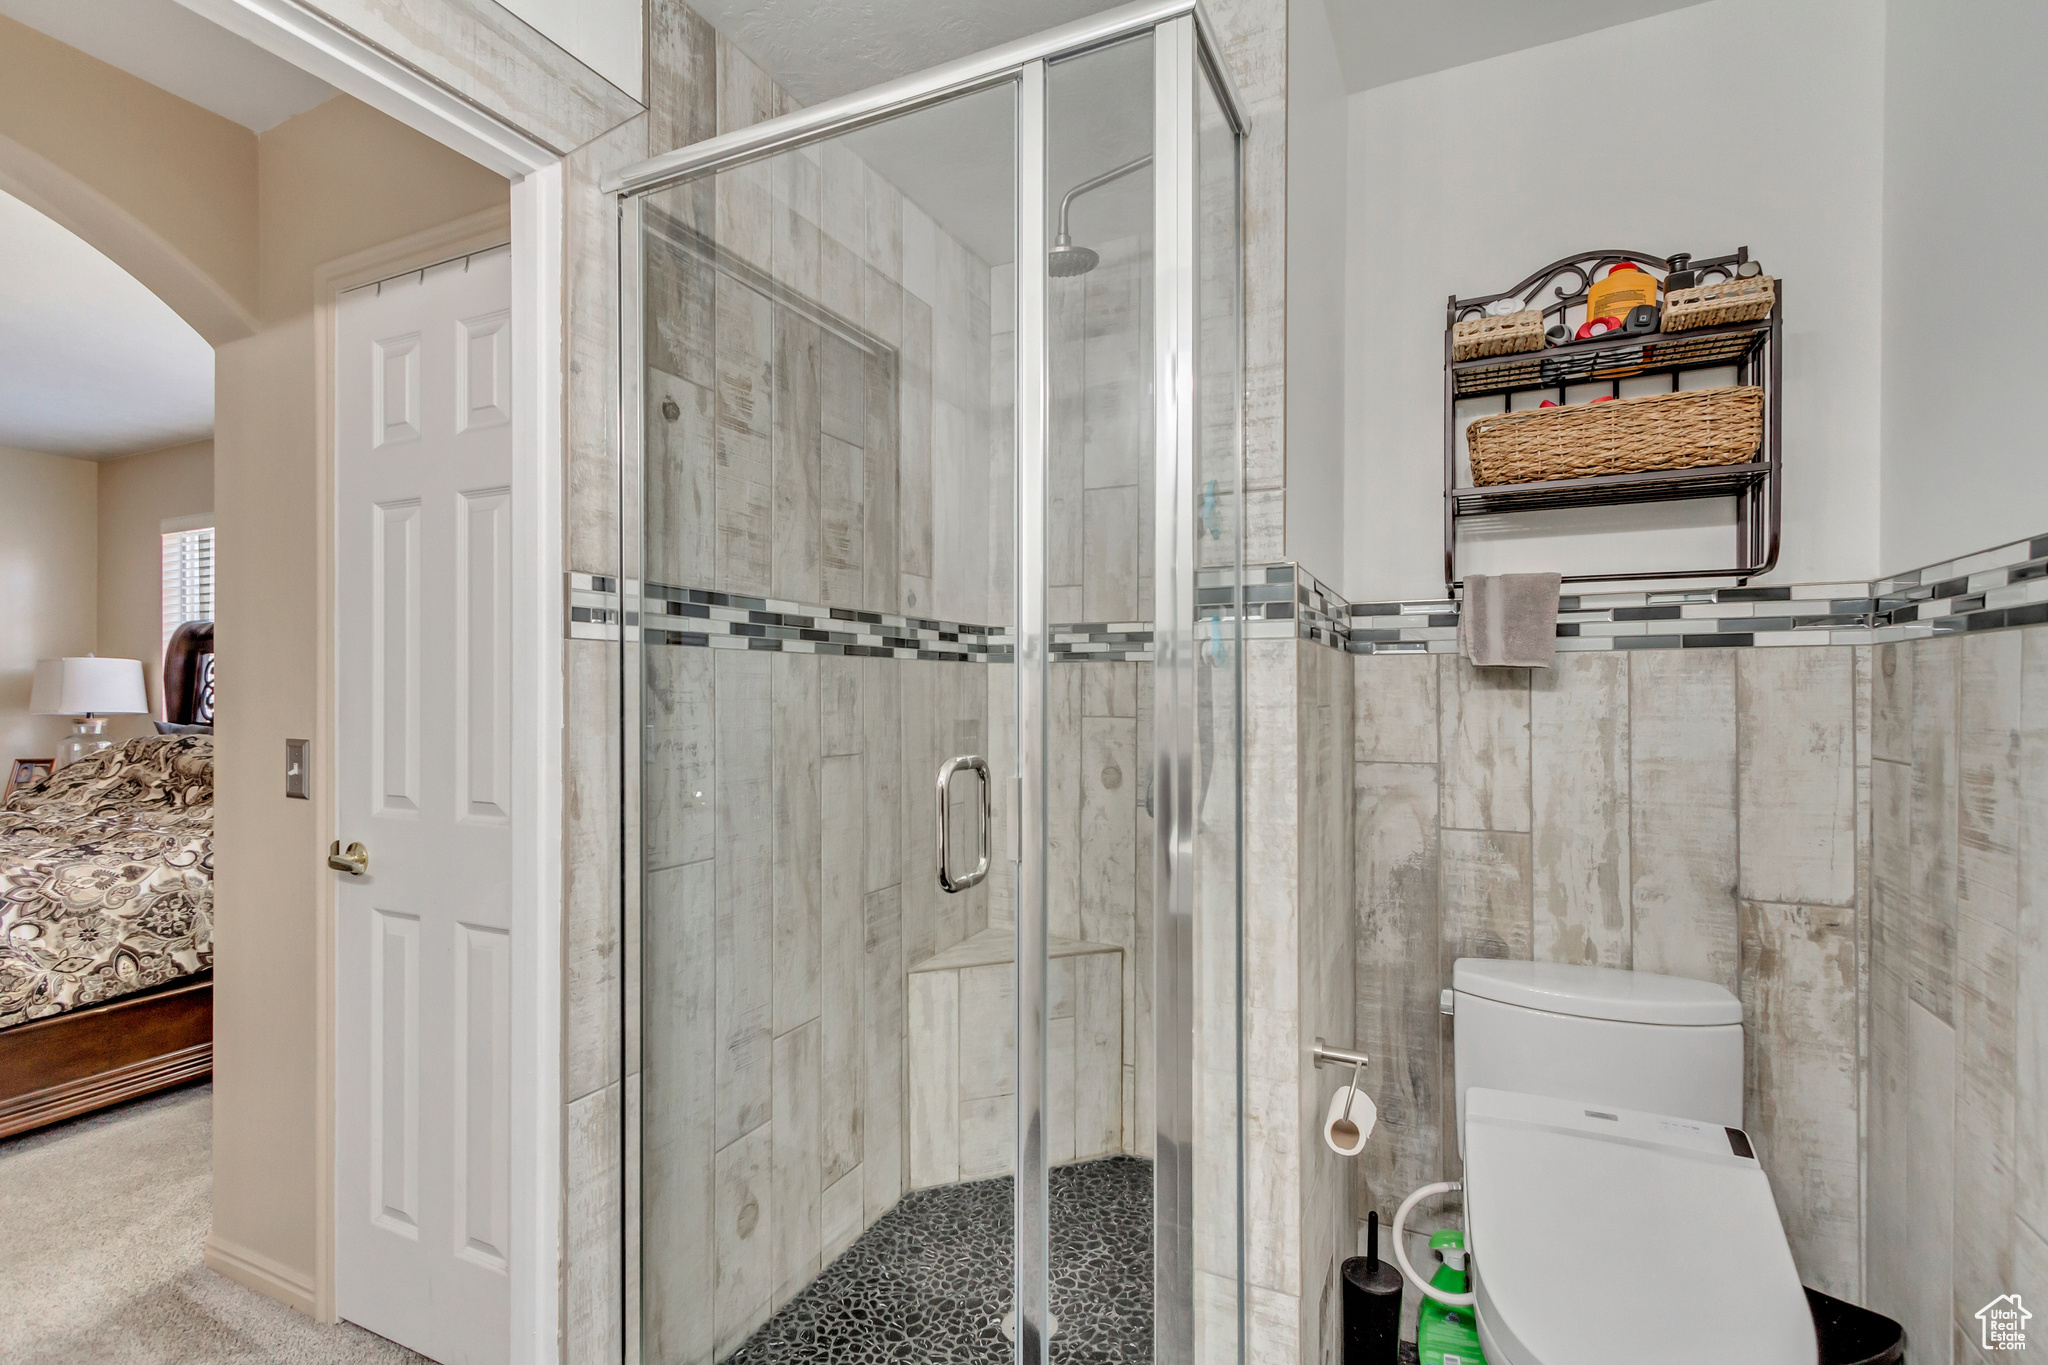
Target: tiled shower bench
{"type": "Point", "coordinates": [961, 1062]}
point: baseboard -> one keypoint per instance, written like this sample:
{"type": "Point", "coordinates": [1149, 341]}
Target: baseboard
{"type": "Point", "coordinates": [254, 1270]}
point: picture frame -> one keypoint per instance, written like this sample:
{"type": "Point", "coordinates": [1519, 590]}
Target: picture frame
{"type": "Point", "coordinates": [25, 772]}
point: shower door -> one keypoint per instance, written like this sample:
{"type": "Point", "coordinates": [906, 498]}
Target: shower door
{"type": "Point", "coordinates": [930, 438]}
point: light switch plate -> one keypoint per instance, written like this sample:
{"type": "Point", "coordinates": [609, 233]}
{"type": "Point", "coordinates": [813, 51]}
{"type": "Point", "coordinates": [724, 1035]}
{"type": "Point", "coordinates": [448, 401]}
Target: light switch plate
{"type": "Point", "coordinates": [298, 776]}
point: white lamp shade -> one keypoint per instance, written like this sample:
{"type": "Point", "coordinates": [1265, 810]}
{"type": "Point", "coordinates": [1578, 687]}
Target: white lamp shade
{"type": "Point", "coordinates": [88, 686]}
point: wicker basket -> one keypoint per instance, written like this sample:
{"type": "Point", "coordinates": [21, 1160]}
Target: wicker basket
{"type": "Point", "coordinates": [1628, 436]}
{"type": "Point", "coordinates": [1711, 305]}
{"type": "Point", "coordinates": [1509, 335]}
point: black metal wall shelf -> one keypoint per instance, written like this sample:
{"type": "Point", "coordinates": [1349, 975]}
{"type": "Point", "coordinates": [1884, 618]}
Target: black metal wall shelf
{"type": "Point", "coordinates": [1599, 360]}
{"type": "Point", "coordinates": [1752, 349]}
{"type": "Point", "coordinates": [1659, 485]}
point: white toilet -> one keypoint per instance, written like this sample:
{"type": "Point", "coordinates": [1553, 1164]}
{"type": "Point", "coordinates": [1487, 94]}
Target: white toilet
{"type": "Point", "coordinates": [1614, 1212]}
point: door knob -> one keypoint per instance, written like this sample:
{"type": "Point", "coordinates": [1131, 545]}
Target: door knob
{"type": "Point", "coordinates": [355, 862]}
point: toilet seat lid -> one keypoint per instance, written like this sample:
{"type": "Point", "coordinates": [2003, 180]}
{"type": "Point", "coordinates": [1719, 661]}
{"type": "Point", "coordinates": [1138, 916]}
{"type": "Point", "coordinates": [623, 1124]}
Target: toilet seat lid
{"type": "Point", "coordinates": [1596, 992]}
{"type": "Point", "coordinates": [1611, 1237]}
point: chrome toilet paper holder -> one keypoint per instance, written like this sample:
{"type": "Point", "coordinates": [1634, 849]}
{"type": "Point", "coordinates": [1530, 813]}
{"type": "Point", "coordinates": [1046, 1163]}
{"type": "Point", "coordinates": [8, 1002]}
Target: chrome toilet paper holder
{"type": "Point", "coordinates": [1326, 1055]}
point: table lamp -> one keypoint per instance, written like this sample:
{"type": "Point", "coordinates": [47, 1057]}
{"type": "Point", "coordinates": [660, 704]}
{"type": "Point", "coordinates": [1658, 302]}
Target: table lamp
{"type": "Point", "coordinates": [88, 690]}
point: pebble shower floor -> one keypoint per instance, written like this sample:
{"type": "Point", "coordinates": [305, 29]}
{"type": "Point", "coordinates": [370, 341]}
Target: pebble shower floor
{"type": "Point", "coordinates": [930, 1281]}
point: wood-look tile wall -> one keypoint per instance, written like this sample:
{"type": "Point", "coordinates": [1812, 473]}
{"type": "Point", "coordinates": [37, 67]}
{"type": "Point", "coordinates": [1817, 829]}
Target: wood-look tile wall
{"type": "Point", "coordinates": [1253, 38]}
{"type": "Point", "coordinates": [788, 797]}
{"type": "Point", "coordinates": [697, 86]}
{"type": "Point", "coordinates": [775, 1011]}
{"type": "Point", "coordinates": [766, 478]}
{"type": "Point", "coordinates": [1099, 854]}
{"type": "Point", "coordinates": [818, 429]}
{"type": "Point", "coordinates": [1099, 559]}
{"type": "Point", "coordinates": [818, 414]}
{"type": "Point", "coordinates": [1958, 1020]}
{"type": "Point", "coordinates": [494, 59]}
{"type": "Point", "coordinates": [789, 889]}
{"type": "Point", "coordinates": [593, 1078]}
{"type": "Point", "coordinates": [1328, 934]}
{"type": "Point", "coordinates": [1703, 813]}
{"type": "Point", "coordinates": [1298, 933]}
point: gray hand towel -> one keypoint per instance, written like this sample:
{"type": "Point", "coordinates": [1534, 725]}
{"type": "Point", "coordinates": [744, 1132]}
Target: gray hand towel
{"type": "Point", "coordinates": [1509, 620]}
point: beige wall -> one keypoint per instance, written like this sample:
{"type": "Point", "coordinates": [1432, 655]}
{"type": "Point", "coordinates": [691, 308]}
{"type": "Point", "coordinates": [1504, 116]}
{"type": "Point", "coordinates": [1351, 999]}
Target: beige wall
{"type": "Point", "coordinates": [81, 571]}
{"type": "Point", "coordinates": [228, 228]}
{"type": "Point", "coordinates": [333, 181]}
{"type": "Point", "coordinates": [137, 495]}
{"type": "Point", "coordinates": [46, 586]}
{"type": "Point", "coordinates": [164, 188]}
{"type": "Point", "coordinates": [167, 191]}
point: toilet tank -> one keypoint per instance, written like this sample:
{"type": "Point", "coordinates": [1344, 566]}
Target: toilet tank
{"type": "Point", "coordinates": [1633, 1040]}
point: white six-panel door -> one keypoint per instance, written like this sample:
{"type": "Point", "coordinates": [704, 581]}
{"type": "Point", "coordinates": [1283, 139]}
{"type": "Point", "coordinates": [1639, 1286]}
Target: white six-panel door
{"type": "Point", "coordinates": [423, 474]}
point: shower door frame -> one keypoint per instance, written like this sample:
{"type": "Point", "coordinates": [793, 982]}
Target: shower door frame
{"type": "Point", "coordinates": [1186, 54]}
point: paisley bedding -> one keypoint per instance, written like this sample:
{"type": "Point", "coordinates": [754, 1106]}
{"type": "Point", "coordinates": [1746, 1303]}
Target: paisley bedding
{"type": "Point", "coordinates": [106, 877]}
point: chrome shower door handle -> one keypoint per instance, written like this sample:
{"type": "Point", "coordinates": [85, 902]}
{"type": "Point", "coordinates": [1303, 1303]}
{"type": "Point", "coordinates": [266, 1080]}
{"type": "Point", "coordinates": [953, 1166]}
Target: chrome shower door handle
{"type": "Point", "coordinates": [978, 765]}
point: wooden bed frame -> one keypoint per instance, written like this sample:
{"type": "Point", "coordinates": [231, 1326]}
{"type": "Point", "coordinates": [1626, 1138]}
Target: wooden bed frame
{"type": "Point", "coordinates": [86, 1059]}
{"type": "Point", "coordinates": [74, 1063]}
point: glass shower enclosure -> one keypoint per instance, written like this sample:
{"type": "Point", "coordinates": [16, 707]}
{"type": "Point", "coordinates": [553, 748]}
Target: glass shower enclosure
{"type": "Point", "coordinates": [931, 432]}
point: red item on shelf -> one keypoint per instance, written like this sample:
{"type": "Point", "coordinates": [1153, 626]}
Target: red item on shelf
{"type": "Point", "coordinates": [1604, 398]}
{"type": "Point", "coordinates": [1546, 403]}
{"type": "Point", "coordinates": [1596, 327]}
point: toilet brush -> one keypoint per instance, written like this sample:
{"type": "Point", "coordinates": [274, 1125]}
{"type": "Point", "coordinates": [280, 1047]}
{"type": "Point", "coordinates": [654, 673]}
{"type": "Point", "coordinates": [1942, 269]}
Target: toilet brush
{"type": "Point", "coordinates": [1372, 1304]}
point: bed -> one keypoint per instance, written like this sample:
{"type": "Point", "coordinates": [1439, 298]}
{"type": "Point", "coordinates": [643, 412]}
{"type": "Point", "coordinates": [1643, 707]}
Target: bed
{"type": "Point", "coordinates": [106, 916]}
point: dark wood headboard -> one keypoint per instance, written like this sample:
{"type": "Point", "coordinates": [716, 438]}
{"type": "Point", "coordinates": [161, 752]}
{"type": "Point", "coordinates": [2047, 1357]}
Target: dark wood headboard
{"type": "Point", "coordinates": [188, 675]}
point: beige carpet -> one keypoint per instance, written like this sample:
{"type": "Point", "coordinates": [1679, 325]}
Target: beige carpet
{"type": "Point", "coordinates": [101, 1225]}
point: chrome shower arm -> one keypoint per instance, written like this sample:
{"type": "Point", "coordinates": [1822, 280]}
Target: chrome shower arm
{"type": "Point", "coordinates": [1097, 183]}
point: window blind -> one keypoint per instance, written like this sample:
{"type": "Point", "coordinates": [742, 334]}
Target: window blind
{"type": "Point", "coordinates": [187, 579]}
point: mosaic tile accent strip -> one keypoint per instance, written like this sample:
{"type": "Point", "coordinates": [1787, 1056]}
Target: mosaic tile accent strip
{"type": "Point", "coordinates": [592, 611]}
{"type": "Point", "coordinates": [1995, 589]}
{"type": "Point", "coordinates": [722, 620]}
{"type": "Point", "coordinates": [931, 1280]}
{"type": "Point", "coordinates": [1695, 618]}
{"type": "Point", "coordinates": [1320, 614]}
{"type": "Point", "coordinates": [1282, 602]}
{"type": "Point", "coordinates": [1102, 642]}
{"type": "Point", "coordinates": [1999, 588]}
{"type": "Point", "coordinates": [2007, 586]}
{"type": "Point", "coordinates": [699, 618]}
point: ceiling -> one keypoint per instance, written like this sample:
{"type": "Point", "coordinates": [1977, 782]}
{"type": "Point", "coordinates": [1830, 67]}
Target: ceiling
{"type": "Point", "coordinates": [91, 363]}
{"type": "Point", "coordinates": [174, 49]}
{"type": "Point", "coordinates": [1383, 41]}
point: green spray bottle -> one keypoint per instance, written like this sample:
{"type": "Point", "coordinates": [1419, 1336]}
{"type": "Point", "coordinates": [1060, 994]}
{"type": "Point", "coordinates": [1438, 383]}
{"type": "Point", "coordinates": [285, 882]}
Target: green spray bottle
{"type": "Point", "coordinates": [1445, 1335]}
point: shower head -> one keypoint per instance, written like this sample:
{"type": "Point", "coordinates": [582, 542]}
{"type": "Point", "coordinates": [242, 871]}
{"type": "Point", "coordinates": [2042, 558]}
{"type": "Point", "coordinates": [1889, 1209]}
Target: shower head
{"type": "Point", "coordinates": [1066, 260]}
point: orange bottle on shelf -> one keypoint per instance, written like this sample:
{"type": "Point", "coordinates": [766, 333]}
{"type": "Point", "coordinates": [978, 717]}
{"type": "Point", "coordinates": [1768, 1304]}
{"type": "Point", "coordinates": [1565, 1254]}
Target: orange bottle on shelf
{"type": "Point", "coordinates": [1627, 285]}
